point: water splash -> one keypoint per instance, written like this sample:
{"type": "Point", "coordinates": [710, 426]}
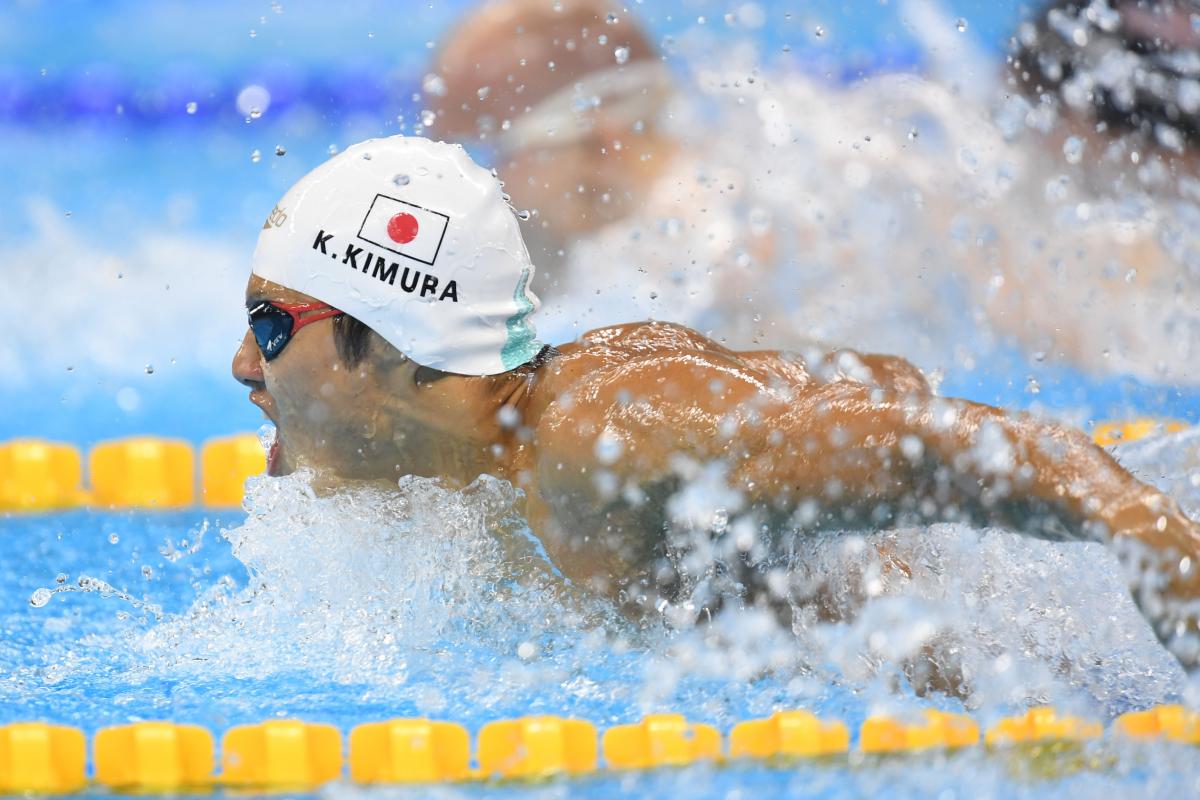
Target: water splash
{"type": "Point", "coordinates": [360, 581]}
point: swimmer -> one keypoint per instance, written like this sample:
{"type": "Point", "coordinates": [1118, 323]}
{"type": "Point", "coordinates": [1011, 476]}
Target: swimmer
{"type": "Point", "coordinates": [583, 144]}
{"type": "Point", "coordinates": [1120, 73]}
{"type": "Point", "coordinates": [391, 334]}
{"type": "Point", "coordinates": [1104, 269]}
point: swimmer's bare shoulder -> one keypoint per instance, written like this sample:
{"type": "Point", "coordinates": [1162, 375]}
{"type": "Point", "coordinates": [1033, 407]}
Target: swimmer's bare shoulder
{"type": "Point", "coordinates": [651, 390]}
{"type": "Point", "coordinates": [618, 412]}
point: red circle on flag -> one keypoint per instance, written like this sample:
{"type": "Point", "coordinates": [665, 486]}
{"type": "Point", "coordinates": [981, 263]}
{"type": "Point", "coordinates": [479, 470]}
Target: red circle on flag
{"type": "Point", "coordinates": [403, 228]}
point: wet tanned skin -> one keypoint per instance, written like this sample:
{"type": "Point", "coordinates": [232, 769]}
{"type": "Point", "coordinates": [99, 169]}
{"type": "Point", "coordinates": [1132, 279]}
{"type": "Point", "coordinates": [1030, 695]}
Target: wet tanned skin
{"type": "Point", "coordinates": [663, 390]}
{"type": "Point", "coordinates": [861, 435]}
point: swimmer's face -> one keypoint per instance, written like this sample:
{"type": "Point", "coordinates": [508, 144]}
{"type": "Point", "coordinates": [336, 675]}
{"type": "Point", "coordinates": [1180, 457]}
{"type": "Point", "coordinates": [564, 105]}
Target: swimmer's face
{"type": "Point", "coordinates": [325, 412]}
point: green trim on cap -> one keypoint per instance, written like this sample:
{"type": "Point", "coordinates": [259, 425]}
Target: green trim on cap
{"type": "Point", "coordinates": [521, 344]}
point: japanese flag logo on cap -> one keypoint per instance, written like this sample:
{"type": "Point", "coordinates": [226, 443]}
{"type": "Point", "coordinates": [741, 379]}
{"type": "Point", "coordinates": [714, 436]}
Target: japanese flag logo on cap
{"type": "Point", "coordinates": [416, 241]}
{"type": "Point", "coordinates": [404, 228]}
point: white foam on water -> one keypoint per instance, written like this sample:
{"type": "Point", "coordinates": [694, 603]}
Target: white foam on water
{"type": "Point", "coordinates": [358, 583]}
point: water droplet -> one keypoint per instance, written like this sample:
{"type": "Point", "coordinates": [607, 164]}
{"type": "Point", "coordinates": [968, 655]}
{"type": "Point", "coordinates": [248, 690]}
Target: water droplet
{"type": "Point", "coordinates": [1073, 149]}
{"type": "Point", "coordinates": [332, 149]}
{"type": "Point", "coordinates": [279, 151]}
{"type": "Point", "coordinates": [621, 54]}
{"type": "Point", "coordinates": [147, 572]}
{"type": "Point", "coordinates": [608, 448]}
{"type": "Point", "coordinates": [255, 113]}
{"type": "Point", "coordinates": [255, 155]}
{"type": "Point", "coordinates": [819, 32]}
{"type": "Point", "coordinates": [67, 213]}
{"type": "Point", "coordinates": [61, 577]}
{"type": "Point", "coordinates": [253, 33]}
{"type": "Point", "coordinates": [523, 215]}
{"type": "Point", "coordinates": [1032, 386]}
{"type": "Point", "coordinates": [191, 107]}
{"type": "Point", "coordinates": [482, 92]}
{"type": "Point", "coordinates": [434, 84]}
{"type": "Point", "coordinates": [366, 156]}
{"type": "Point", "coordinates": [400, 179]}
{"type": "Point", "coordinates": [428, 118]}
{"type": "Point", "coordinates": [961, 25]}
{"type": "Point", "coordinates": [149, 369]}
{"type": "Point", "coordinates": [913, 133]}
{"type": "Point", "coordinates": [508, 417]}
{"type": "Point", "coordinates": [40, 597]}
{"type": "Point", "coordinates": [113, 538]}
{"type": "Point", "coordinates": [612, 19]}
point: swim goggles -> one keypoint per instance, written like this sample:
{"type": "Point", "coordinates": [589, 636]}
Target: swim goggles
{"type": "Point", "coordinates": [274, 324]}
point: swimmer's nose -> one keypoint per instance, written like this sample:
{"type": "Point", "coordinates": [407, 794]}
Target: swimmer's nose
{"type": "Point", "coordinates": [247, 363]}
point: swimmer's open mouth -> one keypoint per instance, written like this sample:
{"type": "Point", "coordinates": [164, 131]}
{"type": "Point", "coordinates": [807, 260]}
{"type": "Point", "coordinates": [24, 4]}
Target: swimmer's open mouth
{"type": "Point", "coordinates": [260, 398]}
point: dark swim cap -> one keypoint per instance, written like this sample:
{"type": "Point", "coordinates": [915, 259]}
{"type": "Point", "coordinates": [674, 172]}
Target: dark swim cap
{"type": "Point", "coordinates": [1131, 64]}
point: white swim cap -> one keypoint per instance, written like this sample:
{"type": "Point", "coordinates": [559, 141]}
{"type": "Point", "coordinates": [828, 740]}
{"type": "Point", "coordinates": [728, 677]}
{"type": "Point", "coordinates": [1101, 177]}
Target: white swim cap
{"type": "Point", "coordinates": [416, 241]}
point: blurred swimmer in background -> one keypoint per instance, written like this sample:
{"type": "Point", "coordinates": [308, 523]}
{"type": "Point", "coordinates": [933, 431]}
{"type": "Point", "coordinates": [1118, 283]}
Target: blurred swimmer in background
{"type": "Point", "coordinates": [570, 95]}
{"type": "Point", "coordinates": [1108, 94]}
{"type": "Point", "coordinates": [899, 213]}
{"type": "Point", "coordinates": [390, 334]}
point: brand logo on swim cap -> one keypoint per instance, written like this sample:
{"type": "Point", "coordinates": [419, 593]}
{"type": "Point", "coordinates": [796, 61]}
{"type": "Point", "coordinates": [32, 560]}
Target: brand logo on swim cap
{"type": "Point", "coordinates": [404, 228]}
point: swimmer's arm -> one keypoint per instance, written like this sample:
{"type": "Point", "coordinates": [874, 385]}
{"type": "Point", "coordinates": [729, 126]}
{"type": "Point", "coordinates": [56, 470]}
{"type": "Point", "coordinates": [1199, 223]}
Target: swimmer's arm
{"type": "Point", "coordinates": [844, 454]}
{"type": "Point", "coordinates": [850, 447]}
{"type": "Point", "coordinates": [848, 444]}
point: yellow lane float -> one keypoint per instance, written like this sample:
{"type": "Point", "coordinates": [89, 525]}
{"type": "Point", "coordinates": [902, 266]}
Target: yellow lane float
{"type": "Point", "coordinates": [788, 734]}
{"type": "Point", "coordinates": [409, 751]}
{"type": "Point", "coordinates": [142, 472]}
{"type": "Point", "coordinates": [936, 729]}
{"type": "Point", "coordinates": [536, 747]}
{"type": "Point", "coordinates": [1041, 724]}
{"type": "Point", "coordinates": [660, 740]}
{"type": "Point", "coordinates": [225, 464]}
{"type": "Point", "coordinates": [281, 754]}
{"type": "Point", "coordinates": [40, 476]}
{"type": "Point", "coordinates": [41, 758]}
{"type": "Point", "coordinates": [1110, 433]}
{"type": "Point", "coordinates": [153, 757]}
{"type": "Point", "coordinates": [1172, 722]}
